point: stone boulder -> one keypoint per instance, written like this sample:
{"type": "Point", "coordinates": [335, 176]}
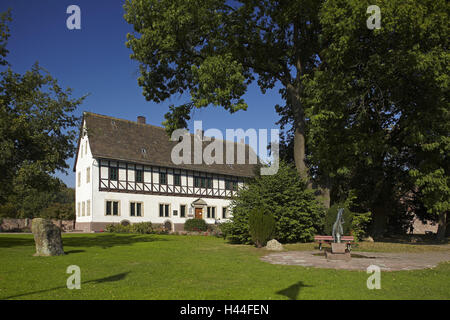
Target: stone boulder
{"type": "Point", "coordinates": [274, 245]}
{"type": "Point", "coordinates": [47, 237]}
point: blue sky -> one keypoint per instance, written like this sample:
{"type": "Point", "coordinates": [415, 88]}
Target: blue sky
{"type": "Point", "coordinates": [95, 61]}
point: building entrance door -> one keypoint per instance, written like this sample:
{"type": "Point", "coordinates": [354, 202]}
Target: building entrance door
{"type": "Point", "coordinates": [198, 213]}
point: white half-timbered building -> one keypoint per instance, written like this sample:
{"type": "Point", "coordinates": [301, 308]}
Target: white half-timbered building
{"type": "Point", "coordinates": [124, 174]}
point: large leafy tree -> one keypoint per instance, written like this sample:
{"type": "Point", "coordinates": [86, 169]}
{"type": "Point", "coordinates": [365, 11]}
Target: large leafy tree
{"type": "Point", "coordinates": [37, 125]}
{"type": "Point", "coordinates": [5, 18]}
{"type": "Point", "coordinates": [28, 202]}
{"type": "Point", "coordinates": [214, 49]}
{"type": "Point", "coordinates": [62, 206]}
{"type": "Point", "coordinates": [379, 106]}
{"type": "Point", "coordinates": [298, 214]}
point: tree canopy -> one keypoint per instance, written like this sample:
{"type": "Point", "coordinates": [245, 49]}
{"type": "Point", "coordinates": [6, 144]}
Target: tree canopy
{"type": "Point", "coordinates": [378, 106]}
{"type": "Point", "coordinates": [37, 125]}
{"type": "Point", "coordinates": [28, 202]}
{"type": "Point", "coordinates": [366, 111]}
{"type": "Point", "coordinates": [214, 49]}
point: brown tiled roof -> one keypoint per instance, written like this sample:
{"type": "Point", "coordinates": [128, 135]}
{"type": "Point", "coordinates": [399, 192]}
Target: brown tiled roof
{"type": "Point", "coordinates": [119, 139]}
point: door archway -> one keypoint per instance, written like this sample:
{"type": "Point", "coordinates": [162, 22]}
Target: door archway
{"type": "Point", "coordinates": [168, 225]}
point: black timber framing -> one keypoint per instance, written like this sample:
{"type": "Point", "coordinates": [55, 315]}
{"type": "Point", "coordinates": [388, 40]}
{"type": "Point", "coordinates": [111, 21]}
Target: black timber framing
{"type": "Point", "coordinates": [185, 190]}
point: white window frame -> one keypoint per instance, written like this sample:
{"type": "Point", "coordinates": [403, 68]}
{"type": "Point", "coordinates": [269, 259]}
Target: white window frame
{"type": "Point", "coordinates": [226, 212]}
{"type": "Point", "coordinates": [88, 174]}
{"type": "Point", "coordinates": [185, 210]}
{"type": "Point", "coordinates": [215, 212]}
{"type": "Point", "coordinates": [135, 209]}
{"type": "Point", "coordinates": [112, 208]}
{"type": "Point", "coordinates": [88, 208]}
{"type": "Point", "coordinates": [164, 210]}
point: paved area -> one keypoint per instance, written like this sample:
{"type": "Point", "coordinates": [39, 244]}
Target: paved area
{"type": "Point", "coordinates": [361, 260]}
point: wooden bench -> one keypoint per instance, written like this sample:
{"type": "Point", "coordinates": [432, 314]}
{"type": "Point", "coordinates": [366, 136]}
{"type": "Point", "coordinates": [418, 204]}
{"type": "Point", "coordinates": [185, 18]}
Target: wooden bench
{"type": "Point", "coordinates": [349, 240]}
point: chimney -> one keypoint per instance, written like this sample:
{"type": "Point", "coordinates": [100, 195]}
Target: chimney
{"type": "Point", "coordinates": [141, 119]}
{"type": "Point", "coordinates": [200, 133]}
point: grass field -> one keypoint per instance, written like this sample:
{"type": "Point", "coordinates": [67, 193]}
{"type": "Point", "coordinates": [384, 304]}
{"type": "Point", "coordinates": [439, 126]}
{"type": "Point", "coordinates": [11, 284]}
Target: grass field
{"type": "Point", "coordinates": [126, 266]}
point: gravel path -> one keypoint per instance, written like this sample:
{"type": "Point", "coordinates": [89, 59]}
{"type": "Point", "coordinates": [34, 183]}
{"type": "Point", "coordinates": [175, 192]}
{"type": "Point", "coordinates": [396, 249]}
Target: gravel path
{"type": "Point", "coordinates": [386, 261]}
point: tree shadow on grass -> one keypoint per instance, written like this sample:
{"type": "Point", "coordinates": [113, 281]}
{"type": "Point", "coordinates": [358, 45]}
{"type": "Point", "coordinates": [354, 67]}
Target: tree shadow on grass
{"type": "Point", "coordinates": [73, 251]}
{"type": "Point", "coordinates": [113, 278]}
{"type": "Point", "coordinates": [8, 242]}
{"type": "Point", "coordinates": [101, 240]}
{"type": "Point", "coordinates": [292, 291]}
{"type": "Point", "coordinates": [420, 239]}
{"type": "Point", "coordinates": [110, 240]}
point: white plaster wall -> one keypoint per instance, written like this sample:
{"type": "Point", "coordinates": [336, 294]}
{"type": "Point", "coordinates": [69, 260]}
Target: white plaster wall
{"type": "Point", "coordinates": [83, 192]}
{"type": "Point", "coordinates": [151, 207]}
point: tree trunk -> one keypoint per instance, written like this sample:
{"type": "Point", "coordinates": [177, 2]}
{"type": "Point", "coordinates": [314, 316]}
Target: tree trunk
{"type": "Point", "coordinates": [326, 194]}
{"type": "Point", "coordinates": [299, 152]}
{"type": "Point", "coordinates": [447, 228]}
{"type": "Point", "coordinates": [441, 232]}
{"type": "Point", "coordinates": [299, 134]}
{"type": "Point", "coordinates": [379, 222]}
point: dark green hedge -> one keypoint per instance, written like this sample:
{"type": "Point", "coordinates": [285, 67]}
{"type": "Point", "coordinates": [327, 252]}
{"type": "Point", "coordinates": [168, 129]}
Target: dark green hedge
{"type": "Point", "coordinates": [141, 228]}
{"type": "Point", "coordinates": [195, 225]}
{"type": "Point", "coordinates": [261, 226]}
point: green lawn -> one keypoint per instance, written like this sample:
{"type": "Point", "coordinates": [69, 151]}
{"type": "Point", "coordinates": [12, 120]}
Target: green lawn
{"type": "Point", "coordinates": [125, 266]}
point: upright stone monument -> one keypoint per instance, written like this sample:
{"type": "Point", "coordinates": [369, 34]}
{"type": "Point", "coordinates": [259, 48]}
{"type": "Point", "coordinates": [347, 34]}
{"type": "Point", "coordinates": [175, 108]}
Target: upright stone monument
{"type": "Point", "coordinates": [47, 238]}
